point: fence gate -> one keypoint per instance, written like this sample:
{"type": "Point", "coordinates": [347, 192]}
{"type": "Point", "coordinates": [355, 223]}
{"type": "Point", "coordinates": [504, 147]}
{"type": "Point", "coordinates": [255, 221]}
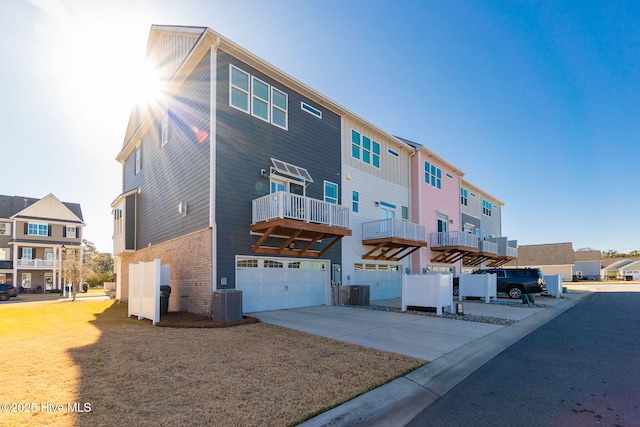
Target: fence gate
{"type": "Point", "coordinates": [145, 279]}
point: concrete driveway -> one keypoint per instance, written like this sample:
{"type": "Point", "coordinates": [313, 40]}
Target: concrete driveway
{"type": "Point", "coordinates": [424, 337]}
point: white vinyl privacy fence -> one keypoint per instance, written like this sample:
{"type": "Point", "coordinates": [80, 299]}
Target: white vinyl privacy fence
{"type": "Point", "coordinates": [145, 279]}
{"type": "Point", "coordinates": [478, 285]}
{"type": "Point", "coordinates": [428, 290]}
{"type": "Point", "coordinates": [554, 285]}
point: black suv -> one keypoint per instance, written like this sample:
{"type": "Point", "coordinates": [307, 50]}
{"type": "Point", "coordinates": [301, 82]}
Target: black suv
{"type": "Point", "coordinates": [7, 291]}
{"type": "Point", "coordinates": [513, 281]}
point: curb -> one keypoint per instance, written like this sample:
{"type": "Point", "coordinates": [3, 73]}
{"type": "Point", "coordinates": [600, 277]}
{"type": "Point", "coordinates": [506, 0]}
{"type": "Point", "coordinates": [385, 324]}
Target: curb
{"type": "Point", "coordinates": [401, 400]}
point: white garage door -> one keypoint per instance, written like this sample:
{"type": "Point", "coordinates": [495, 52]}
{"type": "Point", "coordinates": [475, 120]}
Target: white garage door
{"type": "Point", "coordinates": [385, 281]}
{"type": "Point", "coordinates": [279, 283]}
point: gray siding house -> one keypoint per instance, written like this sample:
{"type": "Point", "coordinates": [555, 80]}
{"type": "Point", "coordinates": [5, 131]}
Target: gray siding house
{"type": "Point", "coordinates": [232, 177]}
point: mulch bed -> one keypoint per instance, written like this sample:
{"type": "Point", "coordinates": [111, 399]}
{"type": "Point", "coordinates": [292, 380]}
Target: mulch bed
{"type": "Point", "coordinates": [182, 319]}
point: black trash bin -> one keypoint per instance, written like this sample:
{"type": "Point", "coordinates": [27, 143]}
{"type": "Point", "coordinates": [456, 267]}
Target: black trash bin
{"type": "Point", "coordinates": [165, 292]}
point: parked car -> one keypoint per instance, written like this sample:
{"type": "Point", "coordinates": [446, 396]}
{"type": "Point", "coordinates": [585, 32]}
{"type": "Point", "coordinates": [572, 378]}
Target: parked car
{"type": "Point", "coordinates": [513, 281]}
{"type": "Point", "coordinates": [7, 291]}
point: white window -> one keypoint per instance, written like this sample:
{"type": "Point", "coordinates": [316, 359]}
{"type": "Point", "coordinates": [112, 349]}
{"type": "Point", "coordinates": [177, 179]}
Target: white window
{"type": "Point", "coordinates": [138, 160]}
{"type": "Point", "coordinates": [355, 201]}
{"type": "Point", "coordinates": [37, 229]}
{"type": "Point", "coordinates": [279, 108]}
{"type": "Point", "coordinates": [5, 229]}
{"type": "Point", "coordinates": [267, 102]}
{"type": "Point", "coordinates": [5, 254]}
{"type": "Point", "coordinates": [27, 253]}
{"type": "Point", "coordinates": [331, 192]}
{"type": "Point", "coordinates": [239, 92]}
{"type": "Point", "coordinates": [71, 232]}
{"type": "Point", "coordinates": [432, 175]}
{"type": "Point", "coordinates": [260, 99]}
{"type": "Point", "coordinates": [26, 280]}
{"type": "Point", "coordinates": [365, 149]}
{"type": "Point", "coordinates": [165, 131]}
{"type": "Point", "coordinates": [309, 109]}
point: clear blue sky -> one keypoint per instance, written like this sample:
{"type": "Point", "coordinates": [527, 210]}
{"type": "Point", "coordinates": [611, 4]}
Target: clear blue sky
{"type": "Point", "coordinates": [537, 101]}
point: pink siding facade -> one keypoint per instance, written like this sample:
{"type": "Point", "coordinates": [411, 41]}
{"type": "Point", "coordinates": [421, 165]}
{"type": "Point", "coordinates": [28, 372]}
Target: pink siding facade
{"type": "Point", "coordinates": [428, 202]}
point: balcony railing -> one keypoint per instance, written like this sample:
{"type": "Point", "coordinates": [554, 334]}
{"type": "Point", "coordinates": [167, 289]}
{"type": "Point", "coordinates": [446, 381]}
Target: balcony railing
{"type": "Point", "coordinates": [390, 228]}
{"type": "Point", "coordinates": [454, 238]}
{"type": "Point", "coordinates": [282, 205]}
{"type": "Point", "coordinates": [38, 264]}
{"type": "Point", "coordinates": [488, 247]}
{"type": "Point", "coordinates": [512, 252]}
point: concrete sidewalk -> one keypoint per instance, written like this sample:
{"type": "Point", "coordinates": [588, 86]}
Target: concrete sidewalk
{"type": "Point", "coordinates": [454, 349]}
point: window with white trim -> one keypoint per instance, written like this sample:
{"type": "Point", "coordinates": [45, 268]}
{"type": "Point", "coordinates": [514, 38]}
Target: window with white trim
{"type": "Point", "coordinates": [5, 228]}
{"type": "Point", "coordinates": [309, 109]}
{"type": "Point", "coordinates": [256, 97]}
{"type": "Point", "coordinates": [355, 201]}
{"type": "Point", "coordinates": [5, 254]}
{"type": "Point", "coordinates": [239, 91]}
{"type": "Point", "coordinates": [365, 149]}
{"type": "Point", "coordinates": [486, 207]}
{"type": "Point", "coordinates": [71, 232]}
{"type": "Point", "coordinates": [279, 110]}
{"type": "Point", "coordinates": [247, 263]}
{"type": "Point", "coordinates": [404, 213]}
{"type": "Point", "coordinates": [138, 160]}
{"type": "Point", "coordinates": [27, 253]}
{"type": "Point", "coordinates": [432, 175]}
{"type": "Point", "coordinates": [26, 280]}
{"type": "Point", "coordinates": [37, 229]}
{"type": "Point", "coordinates": [464, 197]}
{"type": "Point", "coordinates": [331, 192]}
{"type": "Point", "coordinates": [273, 264]}
{"type": "Point", "coordinates": [260, 99]}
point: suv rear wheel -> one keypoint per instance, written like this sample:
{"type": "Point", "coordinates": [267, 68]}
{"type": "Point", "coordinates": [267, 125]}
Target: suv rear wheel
{"type": "Point", "coordinates": [515, 292]}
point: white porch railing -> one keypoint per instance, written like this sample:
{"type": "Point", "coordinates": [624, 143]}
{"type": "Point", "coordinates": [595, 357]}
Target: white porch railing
{"type": "Point", "coordinates": [38, 264]}
{"type": "Point", "coordinates": [489, 247]}
{"type": "Point", "coordinates": [282, 205]}
{"type": "Point", "coordinates": [512, 252]}
{"type": "Point", "coordinates": [454, 238]}
{"type": "Point", "coordinates": [390, 227]}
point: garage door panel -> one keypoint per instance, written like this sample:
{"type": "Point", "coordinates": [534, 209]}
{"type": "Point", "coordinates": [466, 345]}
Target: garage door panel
{"type": "Point", "coordinates": [267, 288]}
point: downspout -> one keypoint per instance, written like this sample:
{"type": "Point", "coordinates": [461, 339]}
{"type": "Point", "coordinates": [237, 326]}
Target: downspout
{"type": "Point", "coordinates": [213, 64]}
{"type": "Point", "coordinates": [418, 252]}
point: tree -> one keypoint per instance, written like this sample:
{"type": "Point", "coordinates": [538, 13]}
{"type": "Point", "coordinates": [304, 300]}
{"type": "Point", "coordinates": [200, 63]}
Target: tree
{"type": "Point", "coordinates": [99, 265]}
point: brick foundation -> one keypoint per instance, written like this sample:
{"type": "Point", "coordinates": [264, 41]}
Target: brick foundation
{"type": "Point", "coordinates": [191, 277]}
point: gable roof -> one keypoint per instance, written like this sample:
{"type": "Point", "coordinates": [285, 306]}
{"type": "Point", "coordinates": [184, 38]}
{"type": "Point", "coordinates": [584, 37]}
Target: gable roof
{"type": "Point", "coordinates": [417, 146]}
{"type": "Point", "coordinates": [587, 256]}
{"type": "Point", "coordinates": [29, 207]}
{"type": "Point", "coordinates": [618, 264]}
{"type": "Point", "coordinates": [545, 254]}
{"type": "Point", "coordinates": [188, 52]}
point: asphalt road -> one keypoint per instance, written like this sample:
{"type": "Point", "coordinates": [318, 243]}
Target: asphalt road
{"type": "Point", "coordinates": [580, 369]}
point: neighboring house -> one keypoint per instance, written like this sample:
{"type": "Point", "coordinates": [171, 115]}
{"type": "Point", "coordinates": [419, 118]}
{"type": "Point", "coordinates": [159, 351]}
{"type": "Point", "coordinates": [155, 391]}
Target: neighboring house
{"type": "Point", "coordinates": [375, 180]}
{"type": "Point", "coordinates": [36, 235]}
{"type": "Point", "coordinates": [615, 268]}
{"type": "Point", "coordinates": [551, 258]}
{"type": "Point", "coordinates": [587, 265]}
{"type": "Point", "coordinates": [631, 271]}
{"type": "Point", "coordinates": [435, 188]}
{"type": "Point", "coordinates": [481, 215]}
